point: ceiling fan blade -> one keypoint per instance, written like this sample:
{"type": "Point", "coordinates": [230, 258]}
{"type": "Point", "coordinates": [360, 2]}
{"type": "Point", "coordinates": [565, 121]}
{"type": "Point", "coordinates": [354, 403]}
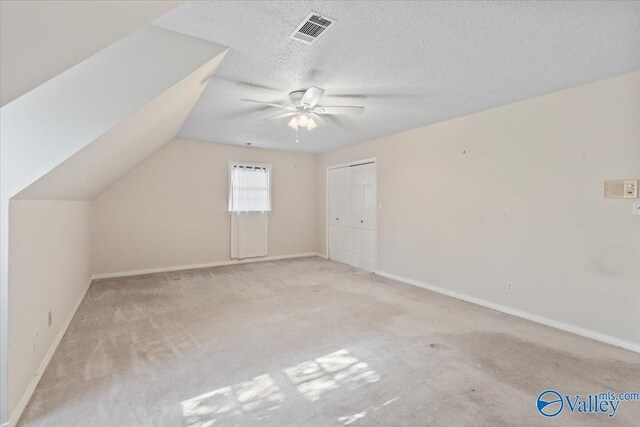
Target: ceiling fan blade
{"type": "Point", "coordinates": [286, 107]}
{"type": "Point", "coordinates": [380, 95]}
{"type": "Point", "coordinates": [318, 118]}
{"type": "Point", "coordinates": [243, 83]}
{"type": "Point", "coordinates": [312, 96]}
{"type": "Point", "coordinates": [246, 112]}
{"type": "Point", "coordinates": [339, 122]}
{"type": "Point", "coordinates": [373, 93]}
{"type": "Point", "coordinates": [279, 116]}
{"type": "Point", "coordinates": [338, 110]}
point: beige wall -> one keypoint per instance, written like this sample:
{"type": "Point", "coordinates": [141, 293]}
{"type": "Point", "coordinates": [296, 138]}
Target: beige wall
{"type": "Point", "coordinates": [171, 210]}
{"type": "Point", "coordinates": [516, 194]}
{"type": "Point", "coordinates": [49, 263]}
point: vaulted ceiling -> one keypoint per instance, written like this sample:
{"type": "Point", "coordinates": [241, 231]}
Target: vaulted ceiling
{"type": "Point", "coordinates": [409, 63]}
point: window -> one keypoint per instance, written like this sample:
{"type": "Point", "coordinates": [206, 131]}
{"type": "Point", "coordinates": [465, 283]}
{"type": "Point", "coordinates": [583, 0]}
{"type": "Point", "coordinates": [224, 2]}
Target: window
{"type": "Point", "coordinates": [249, 187]}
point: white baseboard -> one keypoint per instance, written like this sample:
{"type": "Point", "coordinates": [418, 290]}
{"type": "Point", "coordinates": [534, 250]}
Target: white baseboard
{"type": "Point", "coordinates": [628, 345]}
{"type": "Point", "coordinates": [204, 265]}
{"type": "Point", "coordinates": [26, 397]}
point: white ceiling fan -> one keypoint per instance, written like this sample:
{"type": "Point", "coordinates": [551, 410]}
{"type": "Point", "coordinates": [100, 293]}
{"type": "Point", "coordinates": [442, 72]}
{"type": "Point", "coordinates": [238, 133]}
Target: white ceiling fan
{"type": "Point", "coordinates": [304, 109]}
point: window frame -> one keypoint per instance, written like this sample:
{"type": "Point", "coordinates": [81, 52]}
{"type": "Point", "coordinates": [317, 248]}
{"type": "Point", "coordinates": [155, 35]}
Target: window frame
{"type": "Point", "coordinates": [233, 164]}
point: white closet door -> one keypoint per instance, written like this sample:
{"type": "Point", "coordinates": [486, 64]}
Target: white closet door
{"type": "Point", "coordinates": [355, 213]}
{"type": "Point", "coordinates": [334, 230]}
{"type": "Point", "coordinates": [369, 226]}
{"type": "Point", "coordinates": [352, 215]}
{"type": "Point", "coordinates": [339, 239]}
{"type": "Point", "coordinates": [343, 222]}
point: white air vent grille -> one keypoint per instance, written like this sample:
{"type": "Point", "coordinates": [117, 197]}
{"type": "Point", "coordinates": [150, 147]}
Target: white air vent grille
{"type": "Point", "coordinates": [312, 27]}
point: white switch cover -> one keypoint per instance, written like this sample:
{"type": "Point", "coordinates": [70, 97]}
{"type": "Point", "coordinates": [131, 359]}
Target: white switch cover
{"type": "Point", "coordinates": [631, 188]}
{"type": "Point", "coordinates": [636, 208]}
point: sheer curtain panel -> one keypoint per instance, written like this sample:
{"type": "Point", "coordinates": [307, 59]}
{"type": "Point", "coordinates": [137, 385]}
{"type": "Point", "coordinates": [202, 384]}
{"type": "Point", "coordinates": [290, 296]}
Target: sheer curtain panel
{"type": "Point", "coordinates": [249, 205]}
{"type": "Point", "coordinates": [249, 189]}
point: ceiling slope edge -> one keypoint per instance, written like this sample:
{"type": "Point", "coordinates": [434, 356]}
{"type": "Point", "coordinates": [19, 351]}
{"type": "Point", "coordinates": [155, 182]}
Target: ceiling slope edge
{"type": "Point", "coordinates": [96, 167]}
{"type": "Point", "coordinates": [50, 124]}
{"type": "Point", "coordinates": [41, 39]}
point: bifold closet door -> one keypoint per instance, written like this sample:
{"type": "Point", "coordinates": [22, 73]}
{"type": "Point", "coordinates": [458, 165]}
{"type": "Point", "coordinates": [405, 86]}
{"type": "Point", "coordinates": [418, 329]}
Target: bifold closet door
{"type": "Point", "coordinates": [352, 215]}
{"type": "Point", "coordinates": [355, 213]}
{"type": "Point", "coordinates": [339, 240]}
{"type": "Point", "coordinates": [368, 222]}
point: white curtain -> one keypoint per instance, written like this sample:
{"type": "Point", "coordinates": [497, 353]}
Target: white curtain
{"type": "Point", "coordinates": [249, 204]}
{"type": "Point", "coordinates": [250, 189]}
{"type": "Point", "coordinates": [248, 234]}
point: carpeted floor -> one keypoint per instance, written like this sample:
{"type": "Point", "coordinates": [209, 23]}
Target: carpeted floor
{"type": "Point", "coordinates": [311, 342]}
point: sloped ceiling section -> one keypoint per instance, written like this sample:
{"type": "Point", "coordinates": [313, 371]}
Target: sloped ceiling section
{"type": "Point", "coordinates": [41, 39]}
{"type": "Point", "coordinates": [113, 93]}
{"type": "Point", "coordinates": [94, 168]}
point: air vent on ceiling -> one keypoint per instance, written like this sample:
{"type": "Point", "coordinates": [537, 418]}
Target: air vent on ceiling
{"type": "Point", "coordinates": [311, 28]}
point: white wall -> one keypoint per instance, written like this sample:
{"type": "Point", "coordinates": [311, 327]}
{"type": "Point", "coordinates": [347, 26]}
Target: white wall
{"type": "Point", "coordinates": [49, 262]}
{"type": "Point", "coordinates": [516, 194]}
{"type": "Point", "coordinates": [171, 210]}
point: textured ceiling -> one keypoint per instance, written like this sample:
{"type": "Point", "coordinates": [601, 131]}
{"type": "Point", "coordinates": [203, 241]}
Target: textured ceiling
{"type": "Point", "coordinates": [409, 63]}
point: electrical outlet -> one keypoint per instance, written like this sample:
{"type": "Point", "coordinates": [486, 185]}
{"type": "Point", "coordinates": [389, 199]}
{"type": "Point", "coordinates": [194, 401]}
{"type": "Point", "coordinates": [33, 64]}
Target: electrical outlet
{"type": "Point", "coordinates": [509, 286]}
{"type": "Point", "coordinates": [50, 318]}
{"type": "Point", "coordinates": [35, 340]}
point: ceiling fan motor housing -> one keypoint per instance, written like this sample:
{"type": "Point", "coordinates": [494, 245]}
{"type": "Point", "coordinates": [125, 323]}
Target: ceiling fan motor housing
{"type": "Point", "coordinates": [296, 96]}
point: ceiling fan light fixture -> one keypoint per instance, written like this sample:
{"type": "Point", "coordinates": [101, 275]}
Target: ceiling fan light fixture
{"type": "Point", "coordinates": [311, 124]}
{"type": "Point", "coordinates": [305, 109]}
{"type": "Point", "coordinates": [303, 120]}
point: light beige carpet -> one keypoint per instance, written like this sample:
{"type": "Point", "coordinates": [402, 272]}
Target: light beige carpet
{"type": "Point", "coordinates": [310, 342]}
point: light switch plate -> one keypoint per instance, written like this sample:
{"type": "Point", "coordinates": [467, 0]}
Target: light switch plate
{"type": "Point", "coordinates": [631, 188]}
{"type": "Point", "coordinates": [636, 208]}
{"type": "Point", "coordinates": [621, 189]}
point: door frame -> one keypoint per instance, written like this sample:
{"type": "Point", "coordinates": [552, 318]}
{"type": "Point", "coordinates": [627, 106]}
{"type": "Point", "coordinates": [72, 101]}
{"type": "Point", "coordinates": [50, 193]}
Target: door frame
{"type": "Point", "coordinates": [373, 160]}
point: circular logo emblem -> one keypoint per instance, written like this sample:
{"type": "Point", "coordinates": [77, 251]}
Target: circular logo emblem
{"type": "Point", "coordinates": [549, 403]}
